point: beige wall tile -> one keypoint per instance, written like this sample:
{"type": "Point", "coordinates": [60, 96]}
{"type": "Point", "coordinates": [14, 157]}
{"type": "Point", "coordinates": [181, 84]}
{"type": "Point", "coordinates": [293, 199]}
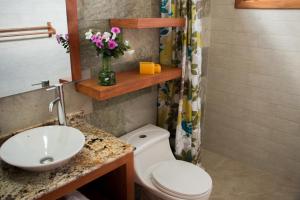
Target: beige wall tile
{"type": "Point", "coordinates": [253, 95]}
{"type": "Point", "coordinates": [280, 42]}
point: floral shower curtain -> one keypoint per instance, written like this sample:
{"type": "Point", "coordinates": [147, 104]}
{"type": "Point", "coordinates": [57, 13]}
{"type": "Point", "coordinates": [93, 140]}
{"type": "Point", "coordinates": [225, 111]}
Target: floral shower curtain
{"type": "Point", "coordinates": [179, 102]}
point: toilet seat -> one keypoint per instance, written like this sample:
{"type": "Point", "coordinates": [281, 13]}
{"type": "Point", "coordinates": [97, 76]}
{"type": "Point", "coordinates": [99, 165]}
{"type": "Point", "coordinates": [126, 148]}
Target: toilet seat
{"type": "Point", "coordinates": [181, 179]}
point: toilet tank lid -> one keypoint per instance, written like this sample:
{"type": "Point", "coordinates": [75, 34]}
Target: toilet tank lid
{"type": "Point", "coordinates": [145, 136]}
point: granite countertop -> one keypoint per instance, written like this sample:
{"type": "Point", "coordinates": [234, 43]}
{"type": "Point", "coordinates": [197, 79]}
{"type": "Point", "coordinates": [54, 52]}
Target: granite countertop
{"type": "Point", "coordinates": [100, 148]}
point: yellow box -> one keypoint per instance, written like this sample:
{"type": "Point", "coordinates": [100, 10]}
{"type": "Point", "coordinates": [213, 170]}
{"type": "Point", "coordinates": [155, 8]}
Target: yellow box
{"type": "Point", "coordinates": [157, 68]}
{"type": "Point", "coordinates": [149, 68]}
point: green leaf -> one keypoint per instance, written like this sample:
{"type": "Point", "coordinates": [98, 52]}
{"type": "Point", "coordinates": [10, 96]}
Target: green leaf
{"type": "Point", "coordinates": [194, 35]}
{"type": "Point", "coordinates": [194, 72]}
{"type": "Point", "coordinates": [194, 66]}
{"type": "Point", "coordinates": [194, 113]}
{"type": "Point", "coordinates": [194, 98]}
{"type": "Point", "coordinates": [189, 156]}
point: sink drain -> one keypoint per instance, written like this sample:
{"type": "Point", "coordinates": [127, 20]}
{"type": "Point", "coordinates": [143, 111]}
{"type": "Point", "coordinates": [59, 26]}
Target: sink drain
{"type": "Point", "coordinates": [46, 160]}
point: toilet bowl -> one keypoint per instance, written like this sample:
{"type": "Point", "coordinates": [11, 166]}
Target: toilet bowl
{"type": "Point", "coordinates": [157, 170]}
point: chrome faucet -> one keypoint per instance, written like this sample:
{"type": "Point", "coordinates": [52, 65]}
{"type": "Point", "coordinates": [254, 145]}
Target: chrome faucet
{"type": "Point", "coordinates": [59, 100]}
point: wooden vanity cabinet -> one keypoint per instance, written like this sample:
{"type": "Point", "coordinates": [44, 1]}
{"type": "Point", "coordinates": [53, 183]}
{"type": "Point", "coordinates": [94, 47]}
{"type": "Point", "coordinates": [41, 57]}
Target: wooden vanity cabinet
{"type": "Point", "coordinates": [111, 181]}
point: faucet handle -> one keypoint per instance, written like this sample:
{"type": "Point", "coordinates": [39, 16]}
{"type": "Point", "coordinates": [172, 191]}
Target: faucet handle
{"type": "Point", "coordinates": [44, 83]}
{"type": "Point", "coordinates": [55, 86]}
{"type": "Point", "coordinates": [51, 88]}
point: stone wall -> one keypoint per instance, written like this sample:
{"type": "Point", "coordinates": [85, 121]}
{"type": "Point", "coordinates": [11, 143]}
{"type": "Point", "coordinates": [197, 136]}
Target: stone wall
{"type": "Point", "coordinates": [125, 113]}
{"type": "Point", "coordinates": [28, 109]}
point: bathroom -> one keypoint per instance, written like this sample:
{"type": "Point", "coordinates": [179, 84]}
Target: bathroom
{"type": "Point", "coordinates": [249, 92]}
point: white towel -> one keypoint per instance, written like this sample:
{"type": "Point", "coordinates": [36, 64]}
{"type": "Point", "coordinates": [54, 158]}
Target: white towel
{"type": "Point", "coordinates": [75, 196]}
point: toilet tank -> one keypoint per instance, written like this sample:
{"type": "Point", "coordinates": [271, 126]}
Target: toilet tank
{"type": "Point", "coordinates": [151, 146]}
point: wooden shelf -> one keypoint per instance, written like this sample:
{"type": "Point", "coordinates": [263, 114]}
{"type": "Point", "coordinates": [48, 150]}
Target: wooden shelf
{"type": "Point", "coordinates": [139, 23]}
{"type": "Point", "coordinates": [127, 82]}
{"type": "Point", "coordinates": [65, 80]}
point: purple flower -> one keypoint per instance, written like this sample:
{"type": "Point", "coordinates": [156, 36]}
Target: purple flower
{"type": "Point", "coordinates": [112, 44]}
{"type": "Point", "coordinates": [115, 30]}
{"type": "Point", "coordinates": [67, 36]}
{"type": "Point", "coordinates": [58, 36]}
{"type": "Point", "coordinates": [94, 38]}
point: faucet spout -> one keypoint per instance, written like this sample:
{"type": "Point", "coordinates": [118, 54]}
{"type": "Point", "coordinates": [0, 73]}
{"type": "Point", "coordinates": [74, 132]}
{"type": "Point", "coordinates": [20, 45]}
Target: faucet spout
{"type": "Point", "coordinates": [59, 100]}
{"type": "Point", "coordinates": [52, 103]}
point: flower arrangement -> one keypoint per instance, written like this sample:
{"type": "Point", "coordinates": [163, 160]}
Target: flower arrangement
{"type": "Point", "coordinates": [108, 44]}
{"type": "Point", "coordinates": [64, 41]}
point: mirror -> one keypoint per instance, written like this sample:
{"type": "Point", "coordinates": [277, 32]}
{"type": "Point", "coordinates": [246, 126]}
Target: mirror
{"type": "Point", "coordinates": [30, 52]}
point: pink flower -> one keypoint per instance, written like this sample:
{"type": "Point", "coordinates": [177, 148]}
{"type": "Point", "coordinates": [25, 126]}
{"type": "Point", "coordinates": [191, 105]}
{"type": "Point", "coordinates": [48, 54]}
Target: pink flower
{"type": "Point", "coordinates": [94, 38]}
{"type": "Point", "coordinates": [99, 44]}
{"type": "Point", "coordinates": [115, 30]}
{"type": "Point", "coordinates": [112, 44]}
{"type": "Point", "coordinates": [97, 40]}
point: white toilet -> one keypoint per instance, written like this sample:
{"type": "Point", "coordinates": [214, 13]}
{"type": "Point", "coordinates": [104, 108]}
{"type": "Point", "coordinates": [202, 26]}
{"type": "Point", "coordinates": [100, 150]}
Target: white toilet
{"type": "Point", "coordinates": [157, 170]}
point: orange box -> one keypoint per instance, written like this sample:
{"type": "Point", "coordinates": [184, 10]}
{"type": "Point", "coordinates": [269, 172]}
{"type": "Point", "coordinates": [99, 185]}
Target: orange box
{"type": "Point", "coordinates": [149, 68]}
{"type": "Point", "coordinates": [157, 68]}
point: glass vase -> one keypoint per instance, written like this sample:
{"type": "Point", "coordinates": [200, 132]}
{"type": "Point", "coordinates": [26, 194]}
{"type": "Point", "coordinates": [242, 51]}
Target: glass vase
{"type": "Point", "coordinates": [107, 77]}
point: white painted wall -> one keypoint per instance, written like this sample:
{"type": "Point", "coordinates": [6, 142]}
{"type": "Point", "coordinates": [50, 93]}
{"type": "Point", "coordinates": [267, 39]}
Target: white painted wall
{"type": "Point", "coordinates": [24, 62]}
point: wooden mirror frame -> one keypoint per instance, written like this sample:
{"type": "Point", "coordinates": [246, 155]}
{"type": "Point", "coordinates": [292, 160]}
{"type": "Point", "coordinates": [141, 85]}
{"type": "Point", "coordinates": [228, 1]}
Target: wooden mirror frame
{"type": "Point", "coordinates": [72, 17]}
{"type": "Point", "coordinates": [267, 4]}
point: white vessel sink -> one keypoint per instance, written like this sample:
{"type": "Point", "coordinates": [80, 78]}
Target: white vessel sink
{"type": "Point", "coordinates": [43, 148]}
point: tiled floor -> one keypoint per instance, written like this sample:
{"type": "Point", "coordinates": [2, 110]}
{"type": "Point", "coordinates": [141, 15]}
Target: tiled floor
{"type": "Point", "coordinates": [233, 180]}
